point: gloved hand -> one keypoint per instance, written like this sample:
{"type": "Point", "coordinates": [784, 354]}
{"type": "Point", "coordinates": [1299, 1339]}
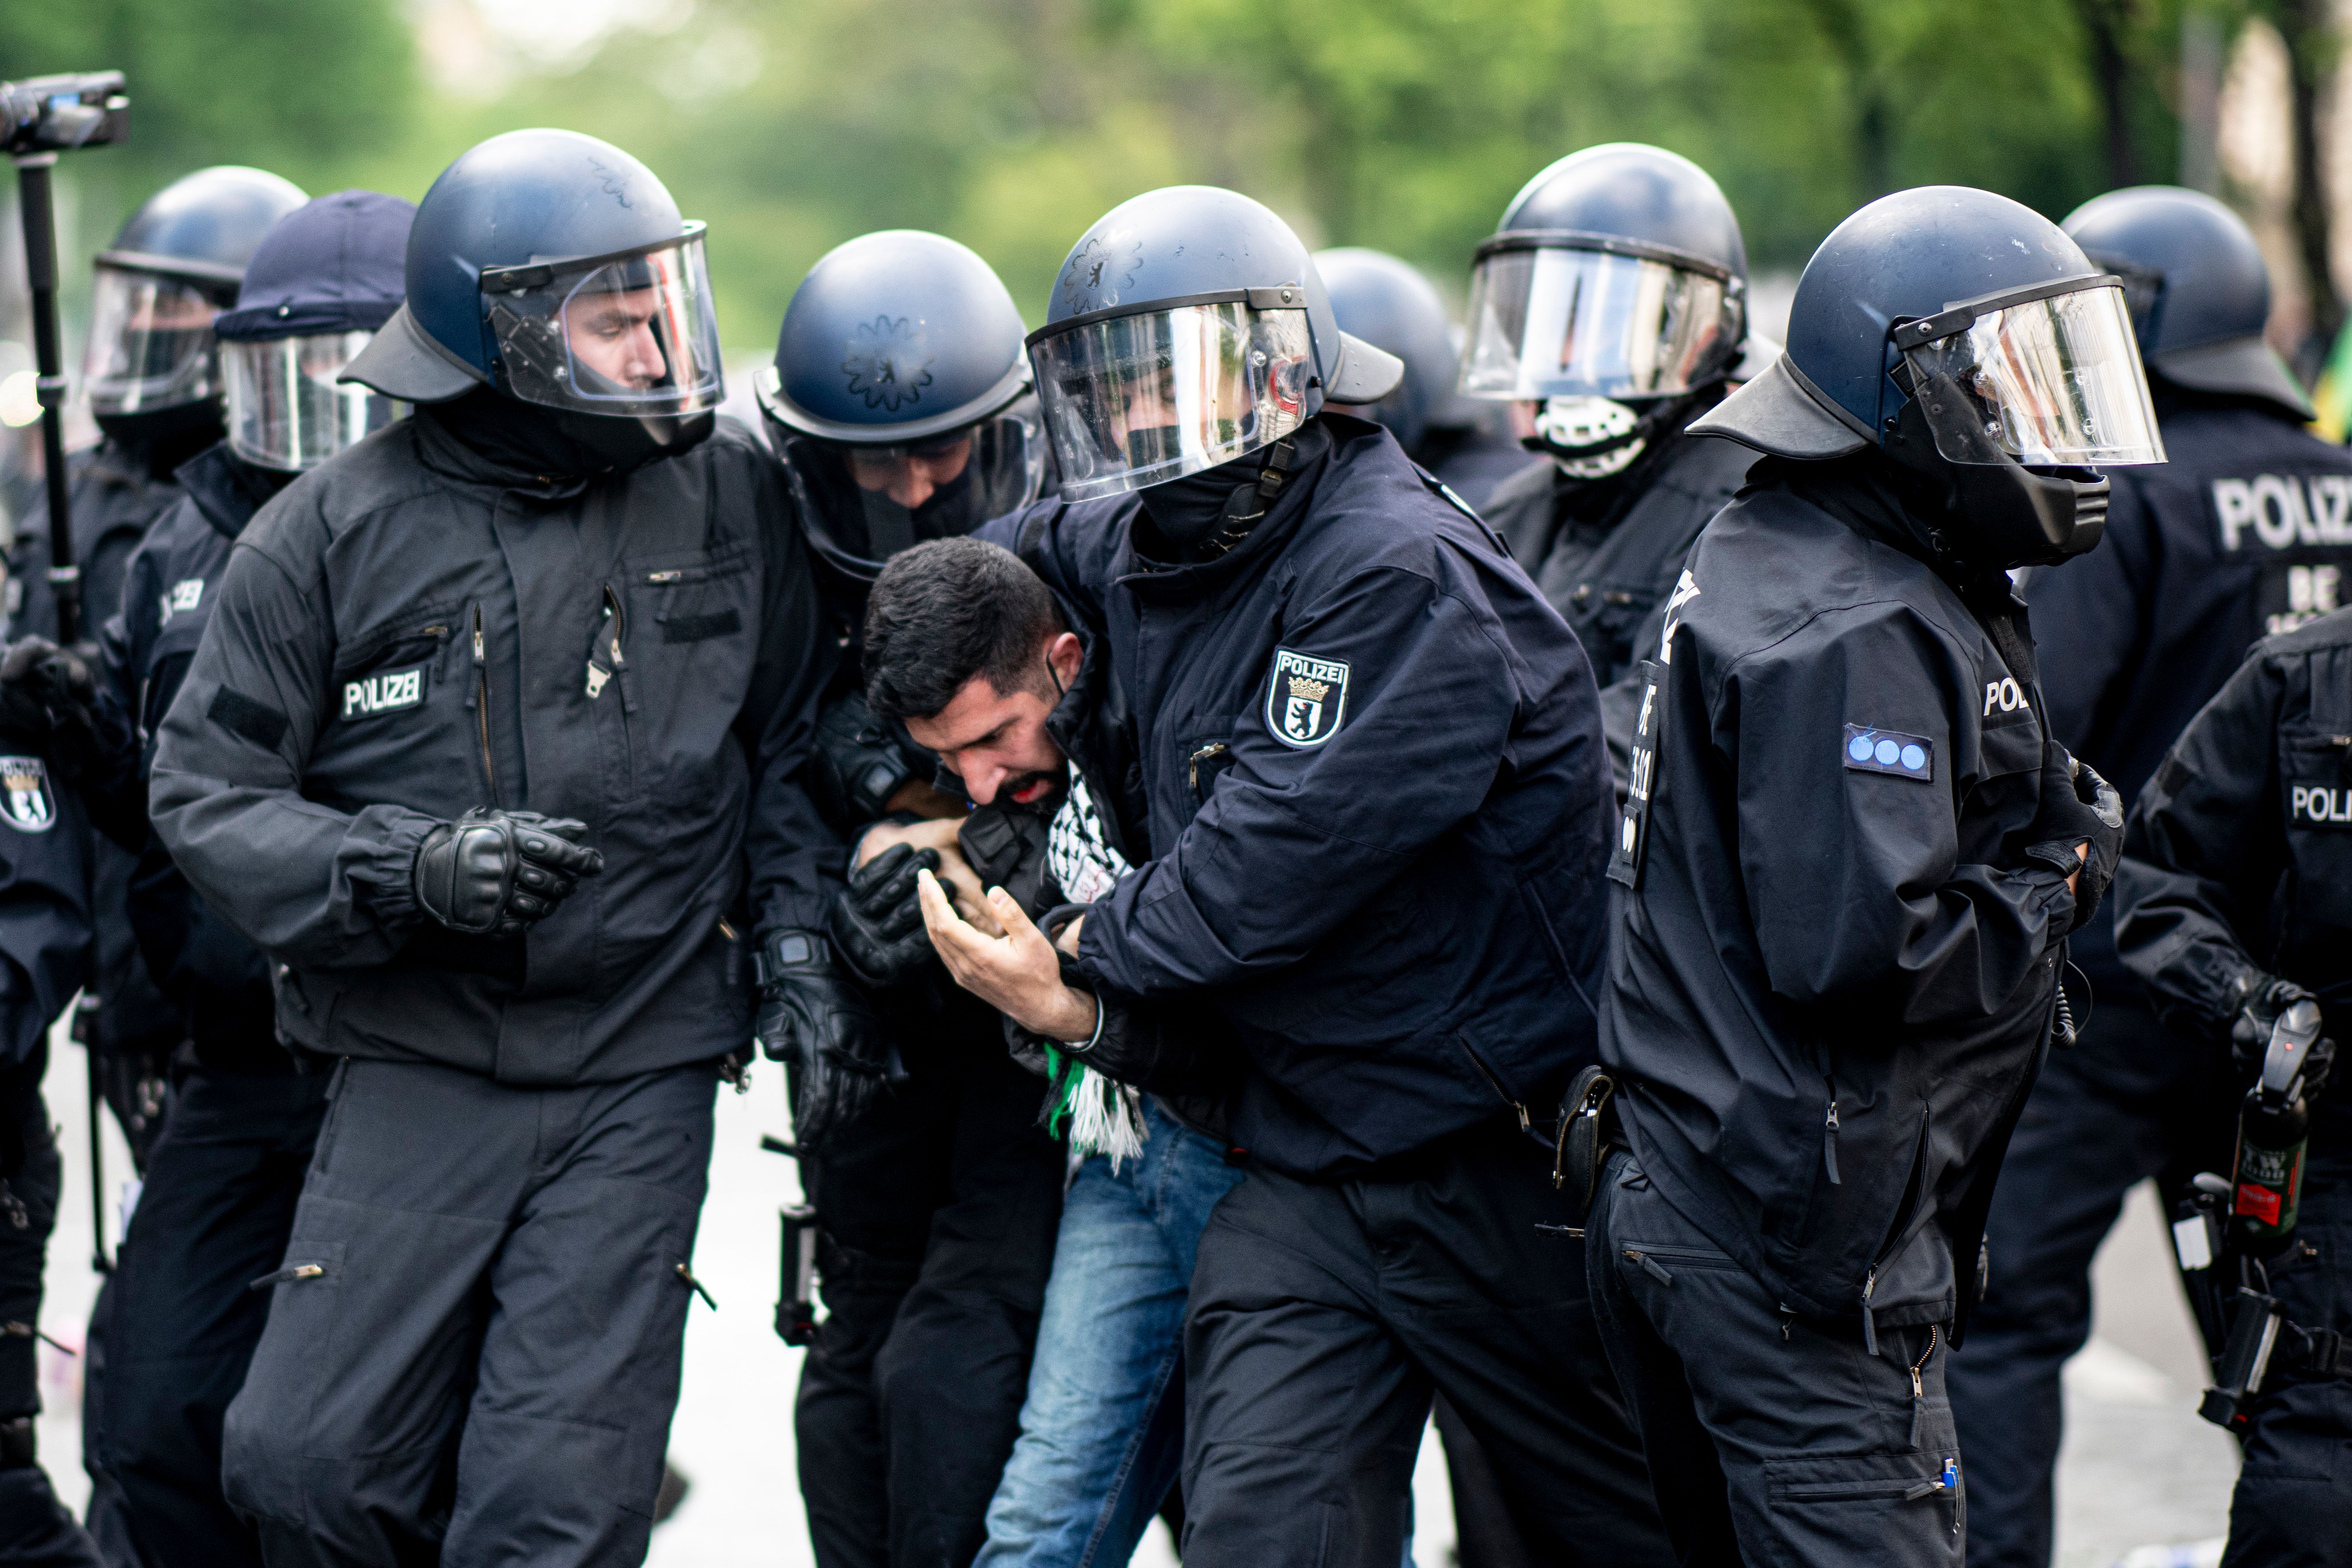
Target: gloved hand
{"type": "Point", "coordinates": [2077, 806]}
{"type": "Point", "coordinates": [878, 921]}
{"type": "Point", "coordinates": [49, 702]}
{"type": "Point", "coordinates": [494, 873]}
{"type": "Point", "coordinates": [2261, 999]}
{"type": "Point", "coordinates": [814, 1018]}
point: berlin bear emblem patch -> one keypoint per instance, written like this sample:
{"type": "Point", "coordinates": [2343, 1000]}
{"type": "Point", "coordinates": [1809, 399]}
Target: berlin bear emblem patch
{"type": "Point", "coordinates": [30, 805]}
{"type": "Point", "coordinates": [1306, 700]}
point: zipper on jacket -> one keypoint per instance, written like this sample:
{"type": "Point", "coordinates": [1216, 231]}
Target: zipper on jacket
{"type": "Point", "coordinates": [1525, 1125]}
{"type": "Point", "coordinates": [1649, 1265]}
{"type": "Point", "coordinates": [1830, 1136]}
{"type": "Point", "coordinates": [1192, 764]}
{"type": "Point", "coordinates": [291, 1274]}
{"type": "Point", "coordinates": [1919, 1388]}
{"type": "Point", "coordinates": [482, 706]}
{"type": "Point", "coordinates": [1869, 1323]}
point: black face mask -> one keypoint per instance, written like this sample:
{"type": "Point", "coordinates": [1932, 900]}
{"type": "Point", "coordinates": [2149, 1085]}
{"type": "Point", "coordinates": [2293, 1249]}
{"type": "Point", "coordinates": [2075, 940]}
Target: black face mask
{"type": "Point", "coordinates": [558, 444]}
{"type": "Point", "coordinates": [2004, 514]}
{"type": "Point", "coordinates": [166, 438]}
{"type": "Point", "coordinates": [1188, 510]}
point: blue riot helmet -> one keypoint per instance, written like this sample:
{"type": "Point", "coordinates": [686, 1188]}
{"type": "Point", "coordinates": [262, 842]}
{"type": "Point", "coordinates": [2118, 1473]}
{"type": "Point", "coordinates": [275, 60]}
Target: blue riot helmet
{"type": "Point", "coordinates": [327, 276]}
{"type": "Point", "coordinates": [1189, 327]}
{"type": "Point", "coordinates": [173, 265]}
{"type": "Point", "coordinates": [1973, 343]}
{"type": "Point", "coordinates": [2200, 292]}
{"type": "Point", "coordinates": [554, 268]}
{"type": "Point", "coordinates": [899, 398]}
{"type": "Point", "coordinates": [1388, 303]}
{"type": "Point", "coordinates": [1614, 289]}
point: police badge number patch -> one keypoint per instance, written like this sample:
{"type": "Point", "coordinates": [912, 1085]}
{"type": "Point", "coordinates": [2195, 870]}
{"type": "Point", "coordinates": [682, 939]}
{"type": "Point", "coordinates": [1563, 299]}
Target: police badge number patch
{"type": "Point", "coordinates": [1306, 700]}
{"type": "Point", "coordinates": [30, 806]}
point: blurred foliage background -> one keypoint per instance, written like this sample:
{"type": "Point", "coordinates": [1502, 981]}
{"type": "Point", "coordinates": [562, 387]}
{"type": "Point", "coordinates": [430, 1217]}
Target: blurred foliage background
{"type": "Point", "coordinates": [1011, 124]}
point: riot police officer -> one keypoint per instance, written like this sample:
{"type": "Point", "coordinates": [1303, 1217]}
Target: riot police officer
{"type": "Point", "coordinates": [2238, 536]}
{"type": "Point", "coordinates": [1388, 303]}
{"type": "Point", "coordinates": [1325, 660]}
{"type": "Point", "coordinates": [152, 378]}
{"type": "Point", "coordinates": [178, 1323]}
{"type": "Point", "coordinates": [494, 744]}
{"type": "Point", "coordinates": [899, 403]}
{"type": "Point", "coordinates": [45, 939]}
{"type": "Point", "coordinates": [2232, 905]}
{"type": "Point", "coordinates": [1611, 309]}
{"type": "Point", "coordinates": [1847, 870]}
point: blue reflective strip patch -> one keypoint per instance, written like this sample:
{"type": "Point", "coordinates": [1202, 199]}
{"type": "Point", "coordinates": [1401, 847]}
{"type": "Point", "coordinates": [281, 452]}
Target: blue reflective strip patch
{"type": "Point", "coordinates": [1870, 750]}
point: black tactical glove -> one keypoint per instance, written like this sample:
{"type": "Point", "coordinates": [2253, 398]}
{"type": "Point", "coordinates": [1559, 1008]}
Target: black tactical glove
{"type": "Point", "coordinates": [50, 702]}
{"type": "Point", "coordinates": [815, 1019]}
{"type": "Point", "coordinates": [2261, 999]}
{"type": "Point", "coordinates": [493, 873]}
{"type": "Point", "coordinates": [855, 766]}
{"type": "Point", "coordinates": [2078, 804]}
{"type": "Point", "coordinates": [878, 921]}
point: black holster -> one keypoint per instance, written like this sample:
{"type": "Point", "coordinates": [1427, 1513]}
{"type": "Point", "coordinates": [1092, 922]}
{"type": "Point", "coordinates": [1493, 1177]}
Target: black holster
{"type": "Point", "coordinates": [1588, 1131]}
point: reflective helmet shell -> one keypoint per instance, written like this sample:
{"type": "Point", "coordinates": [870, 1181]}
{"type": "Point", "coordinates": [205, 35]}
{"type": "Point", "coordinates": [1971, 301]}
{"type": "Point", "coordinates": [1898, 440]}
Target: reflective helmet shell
{"type": "Point", "coordinates": [895, 336]}
{"type": "Point", "coordinates": [1176, 244]}
{"type": "Point", "coordinates": [2206, 289]}
{"type": "Point", "coordinates": [1910, 255]}
{"type": "Point", "coordinates": [204, 226]}
{"type": "Point", "coordinates": [524, 196]}
{"type": "Point", "coordinates": [1388, 303]}
{"type": "Point", "coordinates": [2215, 285]}
{"type": "Point", "coordinates": [1628, 191]}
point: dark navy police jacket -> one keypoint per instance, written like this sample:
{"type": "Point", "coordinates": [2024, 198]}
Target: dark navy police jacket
{"type": "Point", "coordinates": [2245, 533]}
{"type": "Point", "coordinates": [1376, 787]}
{"type": "Point", "coordinates": [1831, 986]}
{"type": "Point", "coordinates": [416, 628]}
{"type": "Point", "coordinates": [2239, 854]}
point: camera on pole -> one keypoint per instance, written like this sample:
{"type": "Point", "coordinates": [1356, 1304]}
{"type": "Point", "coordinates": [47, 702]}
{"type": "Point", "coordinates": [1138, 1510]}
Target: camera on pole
{"type": "Point", "coordinates": [39, 118]}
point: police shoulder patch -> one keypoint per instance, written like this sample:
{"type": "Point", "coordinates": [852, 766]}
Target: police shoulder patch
{"type": "Point", "coordinates": [30, 806]}
{"type": "Point", "coordinates": [1306, 700]}
{"type": "Point", "coordinates": [1866, 749]}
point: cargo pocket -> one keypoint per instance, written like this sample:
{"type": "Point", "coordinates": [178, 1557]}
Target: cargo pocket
{"type": "Point", "coordinates": [264, 1439]}
{"type": "Point", "coordinates": [1893, 1509]}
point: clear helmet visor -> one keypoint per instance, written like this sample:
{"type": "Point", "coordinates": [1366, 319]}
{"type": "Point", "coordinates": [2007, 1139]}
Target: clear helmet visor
{"type": "Point", "coordinates": [2051, 382]}
{"type": "Point", "coordinates": [1135, 400]}
{"type": "Point", "coordinates": [863, 503]}
{"type": "Point", "coordinates": [1560, 322]}
{"type": "Point", "coordinates": [285, 410]}
{"type": "Point", "coordinates": [631, 335]}
{"type": "Point", "coordinates": [151, 342]}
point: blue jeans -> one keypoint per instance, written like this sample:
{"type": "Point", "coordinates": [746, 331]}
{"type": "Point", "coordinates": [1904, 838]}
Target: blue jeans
{"type": "Point", "coordinates": [1102, 1432]}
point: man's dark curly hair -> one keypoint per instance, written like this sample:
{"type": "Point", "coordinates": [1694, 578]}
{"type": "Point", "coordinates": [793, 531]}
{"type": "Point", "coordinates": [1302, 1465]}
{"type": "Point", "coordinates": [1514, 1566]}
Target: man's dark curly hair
{"type": "Point", "coordinates": [945, 611]}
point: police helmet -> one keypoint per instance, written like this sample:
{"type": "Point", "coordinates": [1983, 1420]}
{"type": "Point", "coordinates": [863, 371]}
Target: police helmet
{"type": "Point", "coordinates": [1387, 303]}
{"type": "Point", "coordinates": [327, 276]}
{"type": "Point", "coordinates": [2200, 292]}
{"type": "Point", "coordinates": [1188, 327]}
{"type": "Point", "coordinates": [899, 398]}
{"type": "Point", "coordinates": [555, 267]}
{"type": "Point", "coordinates": [1968, 337]}
{"type": "Point", "coordinates": [1615, 289]}
{"type": "Point", "coordinates": [173, 265]}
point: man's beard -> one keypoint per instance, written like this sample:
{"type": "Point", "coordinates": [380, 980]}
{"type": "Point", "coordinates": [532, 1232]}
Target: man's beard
{"type": "Point", "coordinates": [1048, 784]}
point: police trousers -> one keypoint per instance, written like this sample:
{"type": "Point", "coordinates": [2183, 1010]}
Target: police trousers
{"type": "Point", "coordinates": [179, 1324]}
{"type": "Point", "coordinates": [1771, 1438]}
{"type": "Point", "coordinates": [1324, 1315]}
{"type": "Point", "coordinates": [939, 1209]}
{"type": "Point", "coordinates": [36, 1530]}
{"type": "Point", "coordinates": [473, 1346]}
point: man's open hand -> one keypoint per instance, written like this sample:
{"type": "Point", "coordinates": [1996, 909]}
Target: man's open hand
{"type": "Point", "coordinates": [1017, 974]}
